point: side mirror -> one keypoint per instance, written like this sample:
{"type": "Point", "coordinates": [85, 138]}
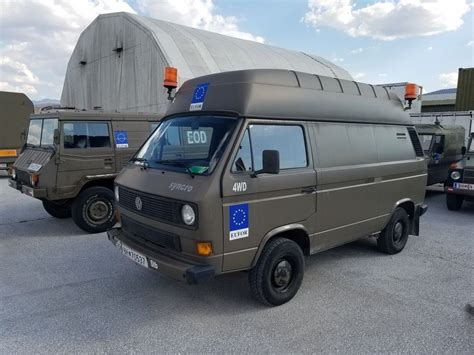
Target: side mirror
{"type": "Point", "coordinates": [56, 136]}
{"type": "Point", "coordinates": [270, 162]}
{"type": "Point", "coordinates": [463, 150]}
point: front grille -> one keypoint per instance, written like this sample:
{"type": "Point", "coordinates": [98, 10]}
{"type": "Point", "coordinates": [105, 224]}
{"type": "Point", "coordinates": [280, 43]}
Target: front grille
{"type": "Point", "coordinates": [23, 177]}
{"type": "Point", "coordinates": [469, 176]}
{"type": "Point", "coordinates": [155, 207]}
{"type": "Point", "coordinates": [143, 234]}
{"type": "Point", "coordinates": [415, 141]}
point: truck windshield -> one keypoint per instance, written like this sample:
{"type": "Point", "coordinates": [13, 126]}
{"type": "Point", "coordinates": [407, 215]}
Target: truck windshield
{"type": "Point", "coordinates": [41, 132]}
{"type": "Point", "coordinates": [191, 144]}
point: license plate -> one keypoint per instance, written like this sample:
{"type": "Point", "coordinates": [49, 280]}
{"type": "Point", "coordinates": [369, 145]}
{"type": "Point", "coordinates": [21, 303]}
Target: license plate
{"type": "Point", "coordinates": [461, 186]}
{"type": "Point", "coordinates": [140, 259]}
{"type": "Point", "coordinates": [3, 166]}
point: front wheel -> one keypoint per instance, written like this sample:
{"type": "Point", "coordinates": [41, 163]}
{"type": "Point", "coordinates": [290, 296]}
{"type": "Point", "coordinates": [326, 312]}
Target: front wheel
{"type": "Point", "coordinates": [278, 274]}
{"type": "Point", "coordinates": [94, 209]}
{"type": "Point", "coordinates": [57, 210]}
{"type": "Point", "coordinates": [394, 237]}
{"type": "Point", "coordinates": [454, 202]}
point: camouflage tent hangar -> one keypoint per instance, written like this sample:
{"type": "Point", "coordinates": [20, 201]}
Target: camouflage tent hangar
{"type": "Point", "coordinates": [118, 61]}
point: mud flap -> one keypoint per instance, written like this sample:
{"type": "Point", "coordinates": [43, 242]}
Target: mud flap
{"type": "Point", "coordinates": [415, 221]}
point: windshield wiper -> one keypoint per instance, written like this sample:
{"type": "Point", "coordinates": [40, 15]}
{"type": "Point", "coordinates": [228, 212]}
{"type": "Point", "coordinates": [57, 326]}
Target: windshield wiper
{"type": "Point", "coordinates": [175, 163]}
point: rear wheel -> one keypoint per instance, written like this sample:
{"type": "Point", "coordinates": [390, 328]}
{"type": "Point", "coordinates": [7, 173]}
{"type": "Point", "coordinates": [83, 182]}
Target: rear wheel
{"type": "Point", "coordinates": [454, 202]}
{"type": "Point", "coordinates": [394, 237]}
{"type": "Point", "coordinates": [94, 209]}
{"type": "Point", "coordinates": [278, 274]}
{"type": "Point", "coordinates": [56, 209]}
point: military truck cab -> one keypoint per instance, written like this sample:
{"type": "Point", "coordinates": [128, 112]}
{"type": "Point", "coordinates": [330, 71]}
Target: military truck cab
{"type": "Point", "coordinates": [442, 145]}
{"type": "Point", "coordinates": [252, 170]}
{"type": "Point", "coordinates": [460, 184]}
{"type": "Point", "coordinates": [71, 159]}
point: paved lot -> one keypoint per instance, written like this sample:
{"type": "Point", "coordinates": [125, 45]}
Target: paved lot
{"type": "Point", "coordinates": [65, 291]}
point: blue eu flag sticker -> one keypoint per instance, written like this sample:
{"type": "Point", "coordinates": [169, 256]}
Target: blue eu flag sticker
{"type": "Point", "coordinates": [239, 221]}
{"type": "Point", "coordinates": [198, 97]}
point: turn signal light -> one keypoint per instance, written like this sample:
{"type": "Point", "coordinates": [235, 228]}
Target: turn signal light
{"type": "Point", "coordinates": [34, 180]}
{"type": "Point", "coordinates": [171, 78]}
{"type": "Point", "coordinates": [204, 248]}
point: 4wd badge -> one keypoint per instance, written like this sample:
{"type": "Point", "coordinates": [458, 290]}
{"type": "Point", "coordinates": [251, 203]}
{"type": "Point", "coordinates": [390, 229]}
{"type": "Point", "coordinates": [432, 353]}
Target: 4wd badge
{"type": "Point", "coordinates": [198, 97]}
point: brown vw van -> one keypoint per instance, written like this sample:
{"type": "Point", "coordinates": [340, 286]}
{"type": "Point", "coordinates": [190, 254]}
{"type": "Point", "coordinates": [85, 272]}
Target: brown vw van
{"type": "Point", "coordinates": [252, 170]}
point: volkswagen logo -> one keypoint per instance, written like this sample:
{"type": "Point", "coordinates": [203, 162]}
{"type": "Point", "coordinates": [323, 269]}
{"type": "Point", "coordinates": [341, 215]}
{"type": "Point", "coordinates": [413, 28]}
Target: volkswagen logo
{"type": "Point", "coordinates": [138, 203]}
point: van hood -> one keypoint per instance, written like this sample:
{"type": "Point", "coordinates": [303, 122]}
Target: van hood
{"type": "Point", "coordinates": [180, 186]}
{"type": "Point", "coordinates": [33, 156]}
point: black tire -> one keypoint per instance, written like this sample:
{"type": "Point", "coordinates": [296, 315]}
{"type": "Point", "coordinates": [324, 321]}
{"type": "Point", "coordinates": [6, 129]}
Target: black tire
{"type": "Point", "coordinates": [394, 237]}
{"type": "Point", "coordinates": [454, 202]}
{"type": "Point", "coordinates": [94, 209]}
{"type": "Point", "coordinates": [274, 287]}
{"type": "Point", "coordinates": [58, 210]}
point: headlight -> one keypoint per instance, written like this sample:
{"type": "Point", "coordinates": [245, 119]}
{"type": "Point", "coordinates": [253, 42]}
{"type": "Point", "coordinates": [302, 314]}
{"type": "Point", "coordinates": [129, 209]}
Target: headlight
{"type": "Point", "coordinates": [188, 215]}
{"type": "Point", "coordinates": [455, 175]}
{"type": "Point", "coordinates": [116, 192]}
{"type": "Point", "coordinates": [13, 174]}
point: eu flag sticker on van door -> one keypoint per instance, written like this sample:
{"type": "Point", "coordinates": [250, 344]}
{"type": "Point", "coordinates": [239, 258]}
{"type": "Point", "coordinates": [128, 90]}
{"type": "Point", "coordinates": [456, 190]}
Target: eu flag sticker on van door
{"type": "Point", "coordinates": [121, 139]}
{"type": "Point", "coordinates": [198, 97]}
{"type": "Point", "coordinates": [239, 221]}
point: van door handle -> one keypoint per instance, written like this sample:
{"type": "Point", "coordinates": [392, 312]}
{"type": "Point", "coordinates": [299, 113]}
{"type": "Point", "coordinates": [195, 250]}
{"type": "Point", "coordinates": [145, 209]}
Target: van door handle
{"type": "Point", "coordinates": [309, 190]}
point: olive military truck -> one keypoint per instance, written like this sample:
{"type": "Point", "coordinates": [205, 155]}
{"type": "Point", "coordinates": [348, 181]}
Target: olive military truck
{"type": "Point", "coordinates": [72, 158]}
{"type": "Point", "coordinates": [15, 110]}
{"type": "Point", "coordinates": [443, 145]}
{"type": "Point", "coordinates": [460, 184]}
{"type": "Point", "coordinates": [252, 170]}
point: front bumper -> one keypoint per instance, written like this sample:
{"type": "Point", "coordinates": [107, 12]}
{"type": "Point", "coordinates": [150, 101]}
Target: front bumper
{"type": "Point", "coordinates": [27, 190]}
{"type": "Point", "coordinates": [177, 269]}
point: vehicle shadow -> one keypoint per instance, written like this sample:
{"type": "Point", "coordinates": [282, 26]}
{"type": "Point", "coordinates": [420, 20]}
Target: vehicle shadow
{"type": "Point", "coordinates": [40, 227]}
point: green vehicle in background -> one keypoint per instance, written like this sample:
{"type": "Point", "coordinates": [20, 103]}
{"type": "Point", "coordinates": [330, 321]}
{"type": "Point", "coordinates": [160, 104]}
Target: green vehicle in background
{"type": "Point", "coordinates": [460, 184]}
{"type": "Point", "coordinates": [443, 145]}
{"type": "Point", "coordinates": [16, 109]}
{"type": "Point", "coordinates": [71, 159]}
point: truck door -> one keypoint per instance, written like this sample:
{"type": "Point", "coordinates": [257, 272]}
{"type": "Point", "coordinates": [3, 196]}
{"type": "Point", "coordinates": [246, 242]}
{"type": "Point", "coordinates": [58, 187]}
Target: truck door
{"type": "Point", "coordinates": [255, 205]}
{"type": "Point", "coordinates": [86, 150]}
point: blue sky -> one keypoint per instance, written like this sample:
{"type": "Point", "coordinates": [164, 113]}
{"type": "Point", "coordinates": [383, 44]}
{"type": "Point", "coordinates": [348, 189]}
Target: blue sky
{"type": "Point", "coordinates": [378, 41]}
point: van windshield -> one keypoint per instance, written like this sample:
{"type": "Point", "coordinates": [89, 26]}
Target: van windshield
{"type": "Point", "coordinates": [41, 132]}
{"type": "Point", "coordinates": [192, 144]}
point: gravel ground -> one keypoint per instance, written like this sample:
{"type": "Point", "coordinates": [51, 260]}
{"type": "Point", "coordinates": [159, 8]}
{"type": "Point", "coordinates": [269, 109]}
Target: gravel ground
{"type": "Point", "coordinates": [65, 291]}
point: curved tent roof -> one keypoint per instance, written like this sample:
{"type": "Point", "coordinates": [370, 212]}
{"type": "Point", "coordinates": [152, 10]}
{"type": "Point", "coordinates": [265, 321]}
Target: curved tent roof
{"type": "Point", "coordinates": [119, 58]}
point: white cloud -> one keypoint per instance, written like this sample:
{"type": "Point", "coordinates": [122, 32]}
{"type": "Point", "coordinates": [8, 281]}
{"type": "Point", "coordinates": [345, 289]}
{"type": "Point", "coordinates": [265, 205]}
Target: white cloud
{"type": "Point", "coordinates": [195, 13]}
{"type": "Point", "coordinates": [470, 44]}
{"type": "Point", "coordinates": [38, 36]}
{"type": "Point", "coordinates": [382, 75]}
{"type": "Point", "coordinates": [388, 20]}
{"type": "Point", "coordinates": [430, 48]}
{"type": "Point", "coordinates": [358, 76]}
{"type": "Point", "coordinates": [338, 60]}
{"type": "Point", "coordinates": [357, 51]}
{"type": "Point", "coordinates": [449, 80]}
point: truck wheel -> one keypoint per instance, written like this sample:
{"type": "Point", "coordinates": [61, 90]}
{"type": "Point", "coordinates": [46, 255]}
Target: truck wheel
{"type": "Point", "coordinates": [394, 237]}
{"type": "Point", "coordinates": [94, 209]}
{"type": "Point", "coordinates": [58, 210]}
{"type": "Point", "coordinates": [278, 274]}
{"type": "Point", "coordinates": [454, 202]}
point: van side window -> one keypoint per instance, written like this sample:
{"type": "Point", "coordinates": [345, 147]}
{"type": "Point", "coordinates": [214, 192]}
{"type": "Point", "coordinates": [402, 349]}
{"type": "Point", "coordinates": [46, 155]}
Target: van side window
{"type": "Point", "coordinates": [79, 135]}
{"type": "Point", "coordinates": [288, 140]}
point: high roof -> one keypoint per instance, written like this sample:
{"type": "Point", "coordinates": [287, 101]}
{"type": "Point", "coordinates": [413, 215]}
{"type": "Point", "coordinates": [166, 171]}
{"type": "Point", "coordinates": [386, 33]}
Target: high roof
{"type": "Point", "coordinates": [289, 95]}
{"type": "Point", "coordinates": [118, 61]}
